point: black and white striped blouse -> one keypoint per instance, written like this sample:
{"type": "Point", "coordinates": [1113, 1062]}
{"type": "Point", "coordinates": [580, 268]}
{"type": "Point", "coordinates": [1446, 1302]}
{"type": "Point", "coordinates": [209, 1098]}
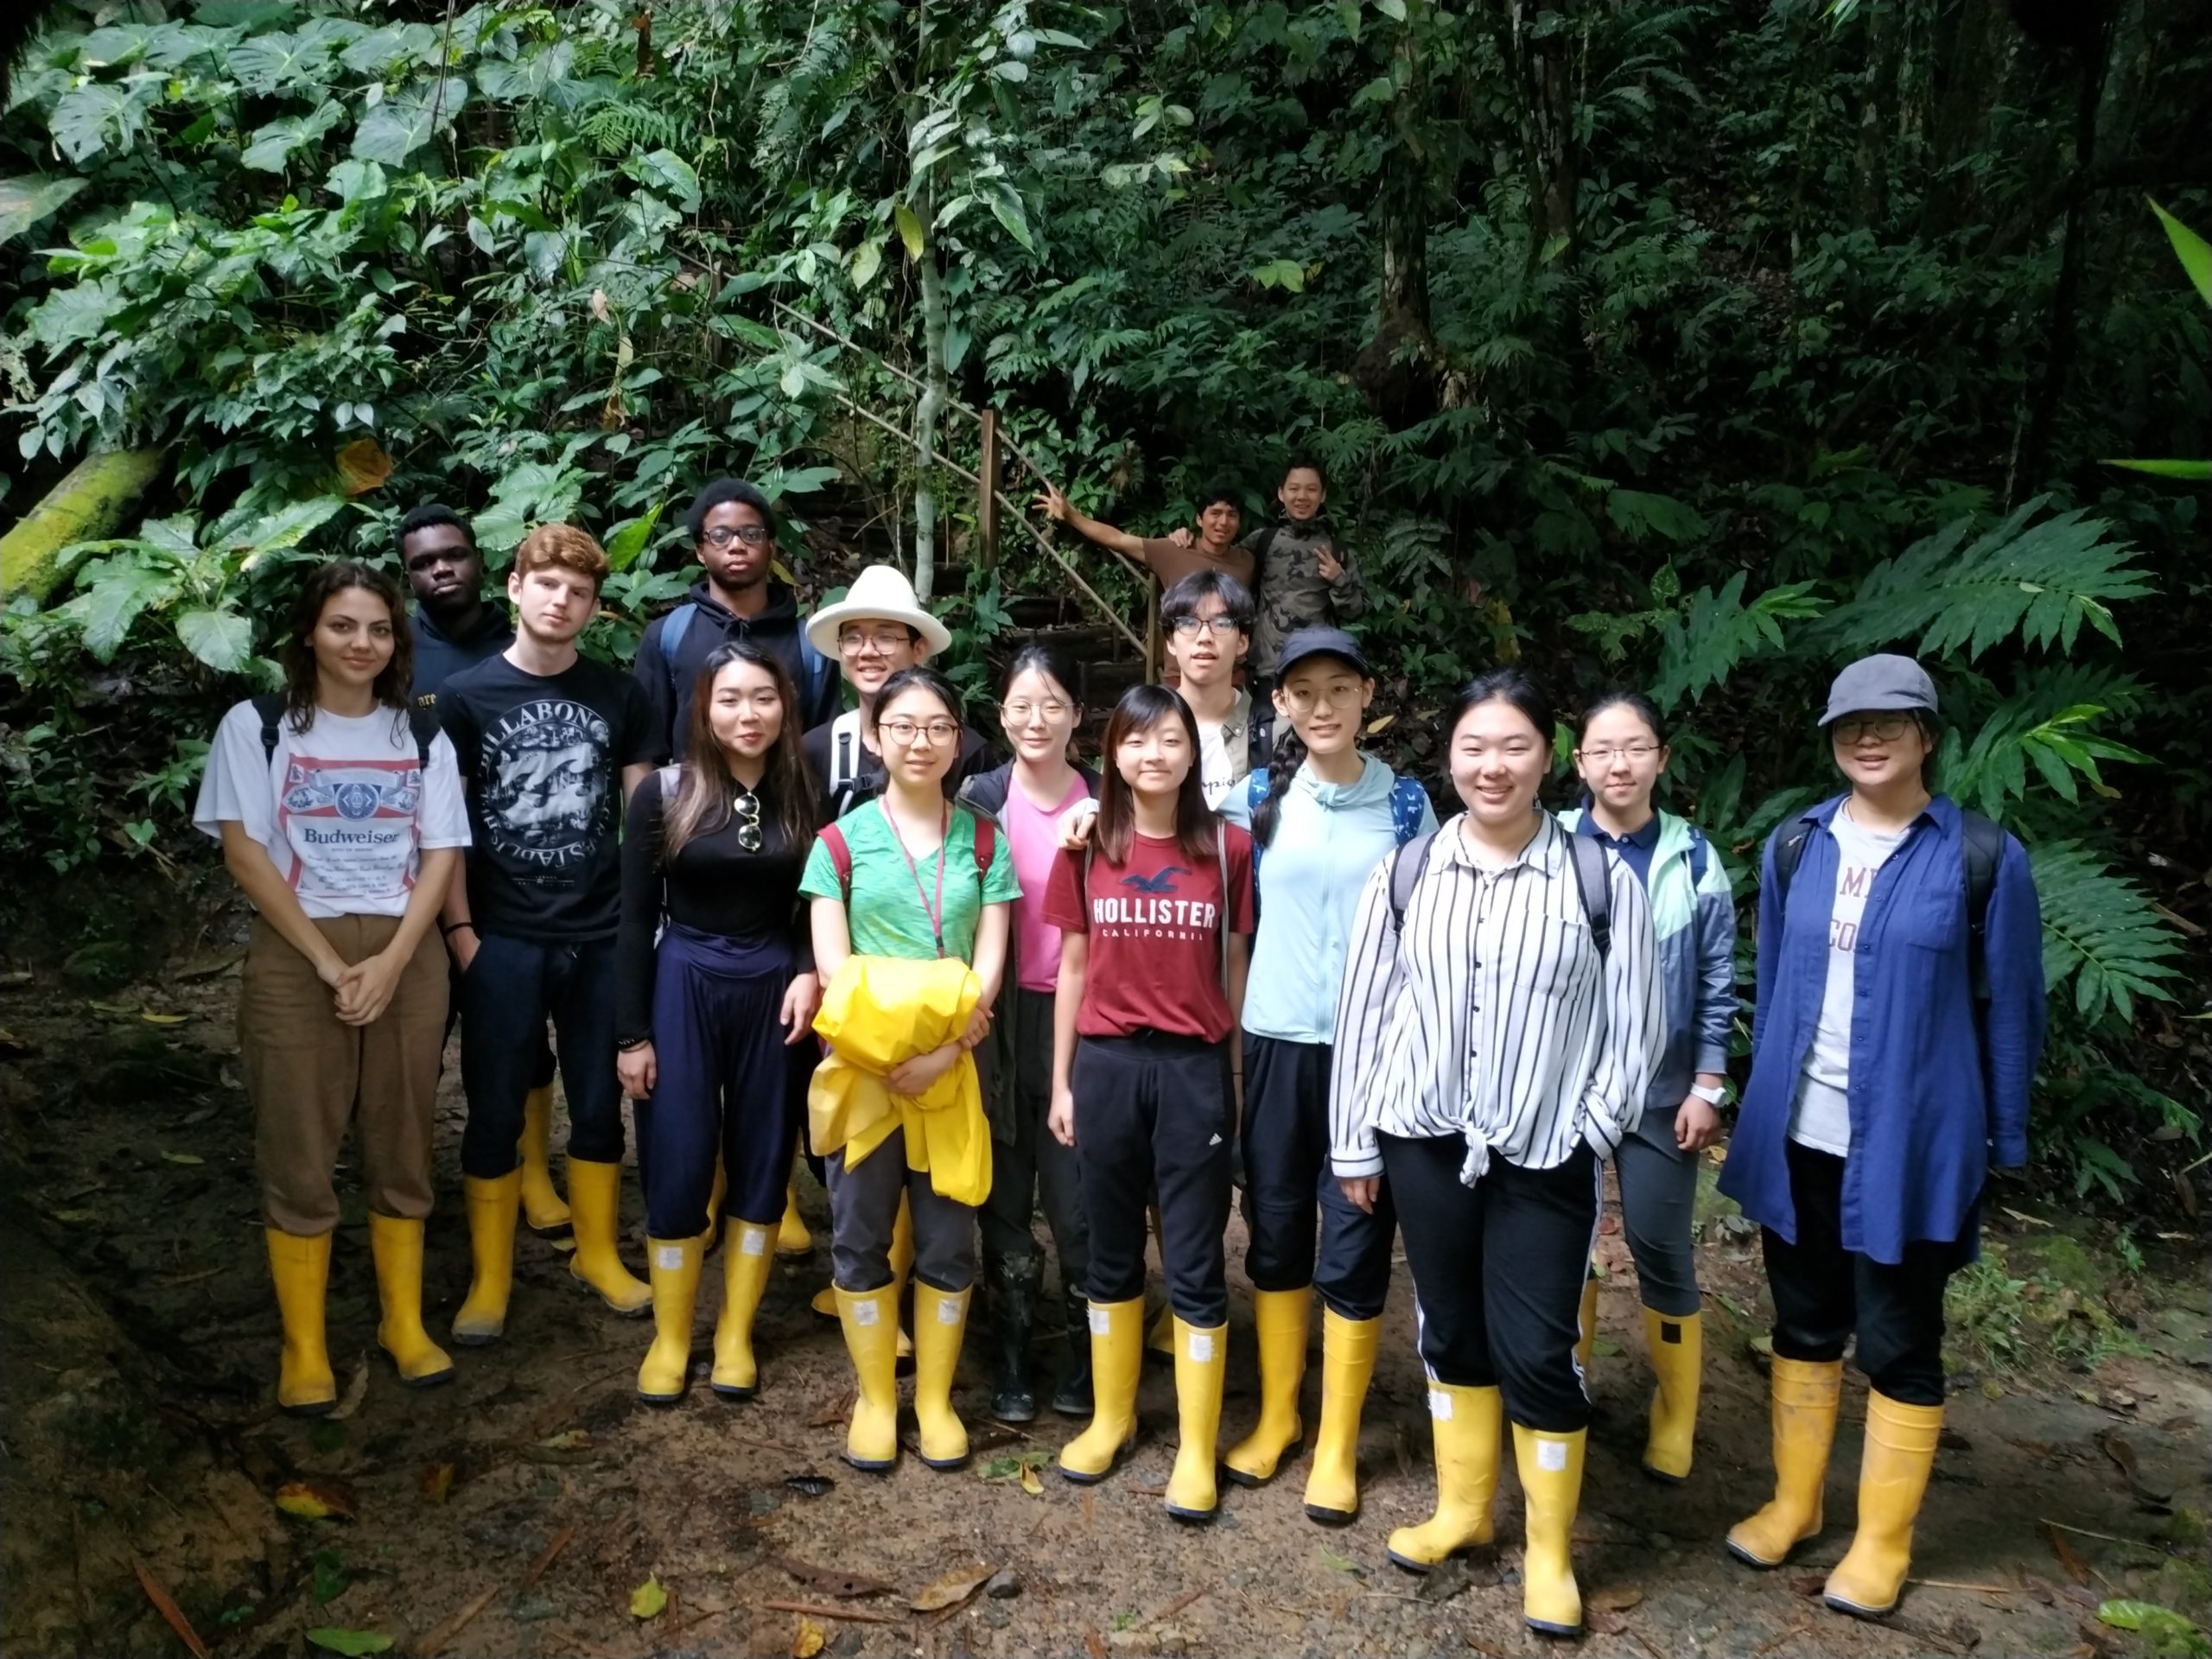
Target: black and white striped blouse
{"type": "Point", "coordinates": [1492, 1015]}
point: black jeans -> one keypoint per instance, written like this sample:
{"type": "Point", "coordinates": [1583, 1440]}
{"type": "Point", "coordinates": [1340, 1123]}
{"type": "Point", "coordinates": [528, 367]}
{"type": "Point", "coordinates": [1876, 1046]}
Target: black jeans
{"type": "Point", "coordinates": [510, 988]}
{"type": "Point", "coordinates": [1155, 1110]}
{"type": "Point", "coordinates": [1287, 1184]}
{"type": "Point", "coordinates": [1825, 1294]}
{"type": "Point", "coordinates": [1497, 1273]}
{"type": "Point", "coordinates": [1034, 1165]}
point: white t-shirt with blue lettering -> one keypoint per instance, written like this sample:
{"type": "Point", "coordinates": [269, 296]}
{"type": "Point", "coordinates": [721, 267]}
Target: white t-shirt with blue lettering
{"type": "Point", "coordinates": [344, 810]}
{"type": "Point", "coordinates": [1821, 1119]}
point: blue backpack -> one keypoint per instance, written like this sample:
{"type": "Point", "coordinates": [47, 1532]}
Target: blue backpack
{"type": "Point", "coordinates": [816, 671]}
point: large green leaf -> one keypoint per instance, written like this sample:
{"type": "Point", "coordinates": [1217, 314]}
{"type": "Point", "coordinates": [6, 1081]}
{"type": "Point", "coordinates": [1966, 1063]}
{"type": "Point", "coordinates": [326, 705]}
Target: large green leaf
{"type": "Point", "coordinates": [273, 146]}
{"type": "Point", "coordinates": [2194, 472]}
{"type": "Point", "coordinates": [408, 119]}
{"type": "Point", "coordinates": [113, 593]}
{"type": "Point", "coordinates": [24, 201]}
{"type": "Point", "coordinates": [97, 115]}
{"type": "Point", "coordinates": [2194, 252]}
{"type": "Point", "coordinates": [222, 639]}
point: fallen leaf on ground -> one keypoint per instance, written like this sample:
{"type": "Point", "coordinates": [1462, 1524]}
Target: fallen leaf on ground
{"type": "Point", "coordinates": [1337, 1563]}
{"type": "Point", "coordinates": [437, 1482]}
{"type": "Point", "coordinates": [74, 1217]}
{"type": "Point", "coordinates": [183, 1158]}
{"type": "Point", "coordinates": [1618, 1598]}
{"type": "Point", "coordinates": [810, 1485]}
{"type": "Point", "coordinates": [153, 1019]}
{"type": "Point", "coordinates": [336, 1640]}
{"type": "Point", "coordinates": [844, 1587]}
{"type": "Point", "coordinates": [951, 1590]}
{"type": "Point", "coordinates": [2069, 1557]}
{"type": "Point", "coordinates": [357, 1389]}
{"type": "Point", "coordinates": [110, 1007]}
{"type": "Point", "coordinates": [315, 1500]}
{"type": "Point", "coordinates": [568, 1439]}
{"type": "Point", "coordinates": [808, 1639]}
{"type": "Point", "coordinates": [648, 1600]}
{"type": "Point", "coordinates": [1030, 1484]}
{"type": "Point", "coordinates": [168, 1609]}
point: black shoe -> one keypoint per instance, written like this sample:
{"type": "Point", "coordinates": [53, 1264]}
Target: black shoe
{"type": "Point", "coordinates": [1014, 1302]}
{"type": "Point", "coordinates": [1073, 1398]}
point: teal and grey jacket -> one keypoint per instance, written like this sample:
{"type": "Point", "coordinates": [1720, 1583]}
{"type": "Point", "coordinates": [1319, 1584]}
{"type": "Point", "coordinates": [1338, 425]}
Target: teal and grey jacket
{"type": "Point", "coordinates": [1693, 912]}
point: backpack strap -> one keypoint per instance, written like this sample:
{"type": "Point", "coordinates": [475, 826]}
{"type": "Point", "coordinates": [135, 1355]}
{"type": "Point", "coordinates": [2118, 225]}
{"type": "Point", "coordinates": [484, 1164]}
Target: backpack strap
{"type": "Point", "coordinates": [1596, 885]}
{"type": "Point", "coordinates": [422, 722]}
{"type": "Point", "coordinates": [1787, 858]}
{"type": "Point", "coordinates": [816, 671]}
{"type": "Point", "coordinates": [844, 739]}
{"type": "Point", "coordinates": [1700, 858]}
{"type": "Point", "coordinates": [986, 844]}
{"type": "Point", "coordinates": [673, 627]}
{"type": "Point", "coordinates": [1407, 865]}
{"type": "Point", "coordinates": [840, 859]}
{"type": "Point", "coordinates": [1985, 850]}
{"type": "Point", "coordinates": [1221, 869]}
{"type": "Point", "coordinates": [270, 707]}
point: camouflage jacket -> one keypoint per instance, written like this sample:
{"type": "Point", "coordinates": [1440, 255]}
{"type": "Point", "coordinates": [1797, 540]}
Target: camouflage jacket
{"type": "Point", "coordinates": [1289, 590]}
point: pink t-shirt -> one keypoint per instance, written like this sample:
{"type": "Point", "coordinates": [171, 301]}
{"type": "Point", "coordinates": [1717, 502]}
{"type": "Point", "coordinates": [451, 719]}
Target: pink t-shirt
{"type": "Point", "coordinates": [1034, 834]}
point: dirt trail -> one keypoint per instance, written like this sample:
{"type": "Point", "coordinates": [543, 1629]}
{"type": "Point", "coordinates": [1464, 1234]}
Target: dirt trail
{"type": "Point", "coordinates": [139, 1350]}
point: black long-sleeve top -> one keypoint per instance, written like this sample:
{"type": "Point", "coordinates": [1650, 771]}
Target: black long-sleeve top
{"type": "Point", "coordinates": [715, 885]}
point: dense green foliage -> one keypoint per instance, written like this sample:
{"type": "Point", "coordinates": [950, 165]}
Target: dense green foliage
{"type": "Point", "coordinates": [1697, 345]}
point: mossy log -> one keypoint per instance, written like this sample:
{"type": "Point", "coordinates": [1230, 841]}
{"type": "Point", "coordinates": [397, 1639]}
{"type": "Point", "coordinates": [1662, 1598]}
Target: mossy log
{"type": "Point", "coordinates": [89, 504]}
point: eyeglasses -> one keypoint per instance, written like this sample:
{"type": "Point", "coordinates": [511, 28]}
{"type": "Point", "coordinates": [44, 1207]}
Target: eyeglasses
{"type": "Point", "coordinates": [1018, 713]}
{"type": "Point", "coordinates": [1606, 756]}
{"type": "Point", "coordinates": [1304, 700]}
{"type": "Point", "coordinates": [906, 733]}
{"type": "Point", "coordinates": [1883, 728]}
{"type": "Point", "coordinates": [1190, 628]}
{"type": "Point", "coordinates": [747, 808]}
{"type": "Point", "coordinates": [885, 640]}
{"type": "Point", "coordinates": [722, 535]}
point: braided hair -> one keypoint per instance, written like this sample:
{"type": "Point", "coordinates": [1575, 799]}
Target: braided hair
{"type": "Point", "coordinates": [1289, 755]}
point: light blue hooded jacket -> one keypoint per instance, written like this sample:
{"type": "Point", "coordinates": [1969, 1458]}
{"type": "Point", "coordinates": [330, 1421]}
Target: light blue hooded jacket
{"type": "Point", "coordinates": [1695, 920]}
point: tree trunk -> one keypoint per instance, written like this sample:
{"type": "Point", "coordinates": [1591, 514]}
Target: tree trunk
{"type": "Point", "coordinates": [1877, 115]}
{"type": "Point", "coordinates": [931, 406]}
{"type": "Point", "coordinates": [88, 505]}
{"type": "Point", "coordinates": [1542, 42]}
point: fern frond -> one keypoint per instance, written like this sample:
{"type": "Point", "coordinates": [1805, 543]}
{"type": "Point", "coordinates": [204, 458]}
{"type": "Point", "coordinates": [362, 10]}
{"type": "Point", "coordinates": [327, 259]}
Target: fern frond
{"type": "Point", "coordinates": [1713, 632]}
{"type": "Point", "coordinates": [2098, 928]}
{"type": "Point", "coordinates": [2041, 580]}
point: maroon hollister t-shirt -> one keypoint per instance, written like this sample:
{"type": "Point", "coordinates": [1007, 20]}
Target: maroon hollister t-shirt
{"type": "Point", "coordinates": [1155, 925]}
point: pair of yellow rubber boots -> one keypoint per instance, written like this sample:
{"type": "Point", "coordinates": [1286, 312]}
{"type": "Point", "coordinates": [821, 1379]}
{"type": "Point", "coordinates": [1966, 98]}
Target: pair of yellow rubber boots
{"type": "Point", "coordinates": [1893, 1471]}
{"type": "Point", "coordinates": [1117, 1346]}
{"type": "Point", "coordinates": [595, 1199]}
{"type": "Point", "coordinates": [301, 1268]}
{"type": "Point", "coordinates": [1282, 1321]}
{"type": "Point", "coordinates": [676, 1265]}
{"type": "Point", "coordinates": [1676, 1346]}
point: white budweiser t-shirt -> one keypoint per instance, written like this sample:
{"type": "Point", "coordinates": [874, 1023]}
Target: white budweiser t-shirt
{"type": "Point", "coordinates": [344, 810]}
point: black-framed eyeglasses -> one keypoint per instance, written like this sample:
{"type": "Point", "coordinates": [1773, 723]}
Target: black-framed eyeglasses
{"type": "Point", "coordinates": [747, 808]}
{"type": "Point", "coordinates": [1883, 728]}
{"type": "Point", "coordinates": [1191, 626]}
{"type": "Point", "coordinates": [722, 535]}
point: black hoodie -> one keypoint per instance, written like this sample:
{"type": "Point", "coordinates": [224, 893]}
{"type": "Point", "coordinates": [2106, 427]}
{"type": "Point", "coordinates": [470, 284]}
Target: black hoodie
{"type": "Point", "coordinates": [779, 628]}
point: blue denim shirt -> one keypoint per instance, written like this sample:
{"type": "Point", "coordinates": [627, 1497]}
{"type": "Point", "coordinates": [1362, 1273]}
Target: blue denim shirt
{"type": "Point", "coordinates": [1939, 1088]}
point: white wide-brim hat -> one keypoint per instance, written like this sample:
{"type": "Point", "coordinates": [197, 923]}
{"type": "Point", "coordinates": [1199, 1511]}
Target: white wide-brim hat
{"type": "Point", "coordinates": [880, 593]}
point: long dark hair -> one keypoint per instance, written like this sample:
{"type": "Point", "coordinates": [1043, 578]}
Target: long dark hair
{"type": "Point", "coordinates": [1638, 704]}
{"type": "Point", "coordinates": [1142, 707]}
{"type": "Point", "coordinates": [392, 688]}
{"type": "Point", "coordinates": [1043, 656]}
{"type": "Point", "coordinates": [706, 794]}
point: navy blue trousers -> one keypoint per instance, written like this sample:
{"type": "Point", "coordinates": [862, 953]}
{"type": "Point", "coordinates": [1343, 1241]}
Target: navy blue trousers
{"type": "Point", "coordinates": [1285, 1141]}
{"type": "Point", "coordinates": [728, 1086]}
{"type": "Point", "coordinates": [510, 988]}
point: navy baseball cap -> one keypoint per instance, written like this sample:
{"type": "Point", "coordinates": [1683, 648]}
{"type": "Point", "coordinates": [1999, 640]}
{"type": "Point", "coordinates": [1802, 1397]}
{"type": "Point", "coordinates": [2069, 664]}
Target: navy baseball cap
{"type": "Point", "coordinates": [1321, 642]}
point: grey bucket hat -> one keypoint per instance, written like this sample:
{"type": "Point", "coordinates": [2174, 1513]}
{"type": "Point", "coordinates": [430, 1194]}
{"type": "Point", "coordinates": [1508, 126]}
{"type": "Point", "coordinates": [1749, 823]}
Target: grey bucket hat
{"type": "Point", "coordinates": [1873, 684]}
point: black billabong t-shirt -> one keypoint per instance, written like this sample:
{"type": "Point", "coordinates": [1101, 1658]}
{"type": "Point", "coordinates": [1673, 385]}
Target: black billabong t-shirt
{"type": "Point", "coordinates": [542, 756]}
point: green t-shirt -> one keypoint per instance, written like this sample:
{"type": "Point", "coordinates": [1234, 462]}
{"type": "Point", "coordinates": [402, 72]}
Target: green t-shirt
{"type": "Point", "coordinates": [886, 915]}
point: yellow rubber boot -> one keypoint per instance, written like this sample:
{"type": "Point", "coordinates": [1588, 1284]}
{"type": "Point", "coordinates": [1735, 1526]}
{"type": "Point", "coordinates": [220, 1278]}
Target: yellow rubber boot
{"type": "Point", "coordinates": [1467, 1424]}
{"type": "Point", "coordinates": [666, 1372]}
{"type": "Point", "coordinates": [482, 1315]}
{"type": "Point", "coordinates": [1283, 1318]}
{"type": "Point", "coordinates": [1586, 1323]}
{"type": "Point", "coordinates": [1803, 1396]}
{"type": "Point", "coordinates": [902, 1265]}
{"type": "Point", "coordinates": [940, 1321]}
{"type": "Point", "coordinates": [301, 1267]}
{"type": "Point", "coordinates": [1892, 1479]}
{"type": "Point", "coordinates": [396, 1248]}
{"type": "Point", "coordinates": [746, 1263]}
{"type": "Point", "coordinates": [792, 1235]}
{"type": "Point", "coordinates": [871, 1322]}
{"type": "Point", "coordinates": [825, 1302]}
{"type": "Point", "coordinates": [720, 1191]}
{"type": "Point", "coordinates": [1160, 1339]}
{"type": "Point", "coordinates": [542, 1204]}
{"type": "Point", "coordinates": [1201, 1361]}
{"type": "Point", "coordinates": [1116, 1357]}
{"type": "Point", "coordinates": [1551, 1487]}
{"type": "Point", "coordinates": [1347, 1367]}
{"type": "Point", "coordinates": [1677, 1350]}
{"type": "Point", "coordinates": [595, 1198]}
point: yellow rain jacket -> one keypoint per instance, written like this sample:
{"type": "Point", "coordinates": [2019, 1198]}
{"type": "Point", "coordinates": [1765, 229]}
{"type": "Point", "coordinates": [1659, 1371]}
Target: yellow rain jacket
{"type": "Point", "coordinates": [876, 1012]}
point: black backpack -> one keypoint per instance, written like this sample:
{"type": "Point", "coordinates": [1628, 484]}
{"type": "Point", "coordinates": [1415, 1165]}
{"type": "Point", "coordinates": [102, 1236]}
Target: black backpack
{"type": "Point", "coordinates": [1984, 849]}
{"type": "Point", "coordinates": [424, 722]}
{"type": "Point", "coordinates": [1587, 857]}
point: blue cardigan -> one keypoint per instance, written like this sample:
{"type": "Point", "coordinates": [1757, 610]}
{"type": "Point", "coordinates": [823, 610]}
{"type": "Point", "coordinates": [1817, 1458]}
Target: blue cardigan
{"type": "Point", "coordinates": [1939, 1088]}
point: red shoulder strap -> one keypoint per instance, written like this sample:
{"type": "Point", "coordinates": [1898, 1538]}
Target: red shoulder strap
{"type": "Point", "coordinates": [841, 856]}
{"type": "Point", "coordinates": [986, 844]}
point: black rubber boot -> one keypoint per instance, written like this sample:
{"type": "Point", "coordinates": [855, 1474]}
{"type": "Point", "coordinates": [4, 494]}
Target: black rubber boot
{"type": "Point", "coordinates": [1073, 1398]}
{"type": "Point", "coordinates": [1014, 1308]}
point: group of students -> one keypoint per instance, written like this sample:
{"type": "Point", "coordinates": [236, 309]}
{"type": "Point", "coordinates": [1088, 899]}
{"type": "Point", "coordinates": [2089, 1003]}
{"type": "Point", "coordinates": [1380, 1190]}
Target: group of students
{"type": "Point", "coordinates": [1242, 950]}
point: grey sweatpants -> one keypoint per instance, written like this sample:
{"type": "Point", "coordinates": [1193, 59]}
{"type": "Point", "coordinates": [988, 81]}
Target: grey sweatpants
{"type": "Point", "coordinates": [1658, 1207]}
{"type": "Point", "coordinates": [864, 1208]}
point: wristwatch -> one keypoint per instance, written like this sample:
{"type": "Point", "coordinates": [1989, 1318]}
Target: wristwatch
{"type": "Point", "coordinates": [1710, 1094]}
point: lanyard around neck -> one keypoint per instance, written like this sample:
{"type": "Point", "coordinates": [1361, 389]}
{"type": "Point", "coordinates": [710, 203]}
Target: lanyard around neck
{"type": "Point", "coordinates": [934, 911]}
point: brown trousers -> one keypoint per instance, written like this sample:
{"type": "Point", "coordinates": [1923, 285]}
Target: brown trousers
{"type": "Point", "coordinates": [308, 1075]}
